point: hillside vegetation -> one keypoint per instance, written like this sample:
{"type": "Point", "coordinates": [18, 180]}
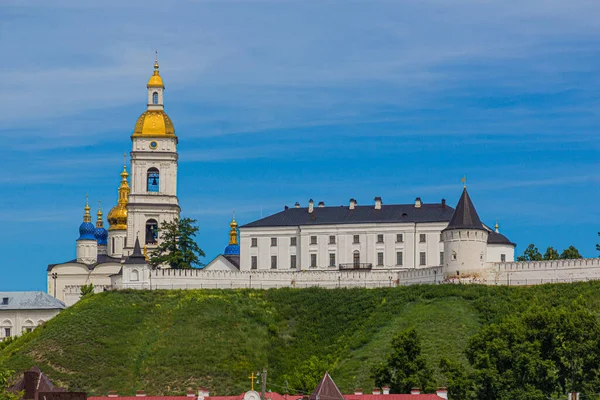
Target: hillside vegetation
{"type": "Point", "coordinates": [168, 341]}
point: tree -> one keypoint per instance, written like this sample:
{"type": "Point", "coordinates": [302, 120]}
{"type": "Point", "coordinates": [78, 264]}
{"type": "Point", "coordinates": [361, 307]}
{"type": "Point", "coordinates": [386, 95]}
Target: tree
{"type": "Point", "coordinates": [570, 253]}
{"type": "Point", "coordinates": [531, 253]}
{"type": "Point", "coordinates": [5, 394]}
{"type": "Point", "coordinates": [177, 246]}
{"type": "Point", "coordinates": [87, 290]}
{"type": "Point", "coordinates": [459, 382]}
{"type": "Point", "coordinates": [406, 367]}
{"type": "Point", "coordinates": [307, 376]}
{"type": "Point", "coordinates": [551, 254]}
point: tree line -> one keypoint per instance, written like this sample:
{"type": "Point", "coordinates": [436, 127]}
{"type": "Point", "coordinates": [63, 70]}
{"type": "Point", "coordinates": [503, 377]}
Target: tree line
{"type": "Point", "coordinates": [532, 253]}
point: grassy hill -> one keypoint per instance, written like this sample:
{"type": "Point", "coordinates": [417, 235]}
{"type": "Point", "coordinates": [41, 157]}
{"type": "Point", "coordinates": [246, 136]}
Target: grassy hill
{"type": "Point", "coordinates": [169, 341]}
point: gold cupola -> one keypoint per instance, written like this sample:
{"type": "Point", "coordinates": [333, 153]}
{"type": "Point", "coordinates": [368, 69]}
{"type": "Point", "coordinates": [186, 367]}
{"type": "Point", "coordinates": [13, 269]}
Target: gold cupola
{"type": "Point", "coordinates": [117, 217]}
{"type": "Point", "coordinates": [154, 122]}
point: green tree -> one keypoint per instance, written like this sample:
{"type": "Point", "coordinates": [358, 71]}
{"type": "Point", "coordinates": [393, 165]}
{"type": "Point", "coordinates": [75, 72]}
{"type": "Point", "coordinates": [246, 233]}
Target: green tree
{"type": "Point", "coordinates": [570, 253]}
{"type": "Point", "coordinates": [307, 376]}
{"type": "Point", "coordinates": [87, 290]}
{"type": "Point", "coordinates": [551, 254]}
{"type": "Point", "coordinates": [177, 245]}
{"type": "Point", "coordinates": [406, 367]}
{"type": "Point", "coordinates": [531, 253]}
{"type": "Point", "coordinates": [539, 354]}
{"type": "Point", "coordinates": [5, 394]}
{"type": "Point", "coordinates": [459, 382]}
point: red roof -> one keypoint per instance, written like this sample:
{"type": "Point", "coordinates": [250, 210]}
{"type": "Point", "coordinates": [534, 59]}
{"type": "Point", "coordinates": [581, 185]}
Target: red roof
{"type": "Point", "coordinates": [277, 396]}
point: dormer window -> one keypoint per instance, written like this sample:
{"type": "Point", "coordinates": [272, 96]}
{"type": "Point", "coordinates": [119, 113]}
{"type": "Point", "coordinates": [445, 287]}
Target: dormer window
{"type": "Point", "coordinates": [5, 301]}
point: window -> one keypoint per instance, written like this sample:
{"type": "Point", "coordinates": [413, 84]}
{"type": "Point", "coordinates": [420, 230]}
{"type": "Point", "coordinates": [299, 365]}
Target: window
{"type": "Point", "coordinates": [4, 301]}
{"type": "Point", "coordinates": [155, 98]}
{"type": "Point", "coordinates": [135, 275]}
{"type": "Point", "coordinates": [399, 238]}
{"type": "Point", "coordinates": [356, 239]}
{"type": "Point", "coordinates": [399, 258]}
{"type": "Point", "coordinates": [313, 260]}
{"type": "Point", "coordinates": [356, 258]}
{"type": "Point", "coordinates": [332, 259]}
{"type": "Point", "coordinates": [313, 240]}
{"type": "Point", "coordinates": [441, 237]}
{"type": "Point", "coordinates": [273, 241]}
{"type": "Point", "coordinates": [254, 264]}
{"type": "Point", "coordinates": [6, 332]}
{"type": "Point", "coordinates": [28, 329]}
{"type": "Point", "coordinates": [292, 241]}
{"type": "Point", "coordinates": [422, 238]}
{"type": "Point", "coordinates": [380, 238]}
{"type": "Point", "coordinates": [453, 256]}
{"type": "Point", "coordinates": [254, 242]}
{"type": "Point", "coordinates": [441, 258]}
{"type": "Point", "coordinates": [502, 257]}
{"type": "Point", "coordinates": [293, 261]}
{"type": "Point", "coordinates": [331, 239]}
{"type": "Point", "coordinates": [380, 259]}
{"type": "Point", "coordinates": [151, 231]}
{"type": "Point", "coordinates": [153, 180]}
{"type": "Point", "coordinates": [112, 249]}
{"type": "Point", "coordinates": [481, 256]}
{"type": "Point", "coordinates": [422, 259]}
{"type": "Point", "coordinates": [273, 262]}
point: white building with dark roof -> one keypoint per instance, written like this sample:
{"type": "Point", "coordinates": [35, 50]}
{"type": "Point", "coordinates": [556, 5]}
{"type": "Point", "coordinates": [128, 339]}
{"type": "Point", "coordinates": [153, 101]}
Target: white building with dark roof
{"type": "Point", "coordinates": [24, 311]}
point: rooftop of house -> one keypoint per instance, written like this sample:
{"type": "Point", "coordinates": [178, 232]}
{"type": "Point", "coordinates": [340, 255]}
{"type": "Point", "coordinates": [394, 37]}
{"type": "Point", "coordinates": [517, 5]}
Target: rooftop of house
{"type": "Point", "coordinates": [29, 301]}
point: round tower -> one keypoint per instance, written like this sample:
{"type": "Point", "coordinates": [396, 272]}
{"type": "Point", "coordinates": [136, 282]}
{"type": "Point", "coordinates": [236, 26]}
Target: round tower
{"type": "Point", "coordinates": [117, 218]}
{"type": "Point", "coordinates": [465, 241]}
{"type": "Point", "coordinates": [87, 247]}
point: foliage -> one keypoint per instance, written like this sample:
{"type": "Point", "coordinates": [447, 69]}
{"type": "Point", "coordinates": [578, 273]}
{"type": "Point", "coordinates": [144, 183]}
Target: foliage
{"type": "Point", "coordinates": [458, 380]}
{"type": "Point", "coordinates": [87, 290]}
{"type": "Point", "coordinates": [570, 253]}
{"type": "Point", "coordinates": [551, 254]}
{"type": "Point", "coordinates": [406, 367]}
{"type": "Point", "coordinates": [5, 394]}
{"type": "Point", "coordinates": [307, 376]}
{"type": "Point", "coordinates": [177, 246]}
{"type": "Point", "coordinates": [531, 253]}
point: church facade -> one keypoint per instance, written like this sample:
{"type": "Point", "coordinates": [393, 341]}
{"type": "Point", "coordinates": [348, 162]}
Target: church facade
{"type": "Point", "coordinates": [351, 245]}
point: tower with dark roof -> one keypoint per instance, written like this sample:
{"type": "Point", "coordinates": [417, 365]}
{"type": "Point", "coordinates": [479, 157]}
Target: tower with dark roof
{"type": "Point", "coordinates": [465, 241]}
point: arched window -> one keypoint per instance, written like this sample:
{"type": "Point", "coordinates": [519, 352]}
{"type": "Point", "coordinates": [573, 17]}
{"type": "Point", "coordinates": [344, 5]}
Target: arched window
{"type": "Point", "coordinates": [356, 258]}
{"type": "Point", "coordinates": [153, 181]}
{"type": "Point", "coordinates": [27, 326]}
{"type": "Point", "coordinates": [6, 328]}
{"type": "Point", "coordinates": [155, 98]}
{"type": "Point", "coordinates": [135, 275]}
{"type": "Point", "coordinates": [151, 231]}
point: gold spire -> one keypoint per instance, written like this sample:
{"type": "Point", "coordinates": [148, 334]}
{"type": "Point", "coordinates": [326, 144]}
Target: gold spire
{"type": "Point", "coordinates": [155, 79]}
{"type": "Point", "coordinates": [87, 217]}
{"type": "Point", "coordinates": [99, 222]}
{"type": "Point", "coordinates": [496, 227]}
{"type": "Point", "coordinates": [464, 181]}
{"type": "Point", "coordinates": [233, 232]}
{"type": "Point", "coordinates": [117, 217]}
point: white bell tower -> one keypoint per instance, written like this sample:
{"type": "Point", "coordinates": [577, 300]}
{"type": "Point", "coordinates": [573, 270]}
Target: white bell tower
{"type": "Point", "coordinates": [153, 197]}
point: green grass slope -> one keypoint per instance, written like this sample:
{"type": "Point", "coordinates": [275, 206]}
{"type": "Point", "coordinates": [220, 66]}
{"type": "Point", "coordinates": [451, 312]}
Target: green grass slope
{"type": "Point", "coordinates": [168, 341]}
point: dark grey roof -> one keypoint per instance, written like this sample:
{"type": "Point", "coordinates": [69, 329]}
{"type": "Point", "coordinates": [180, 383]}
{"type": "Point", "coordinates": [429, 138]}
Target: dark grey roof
{"type": "Point", "coordinates": [101, 259]}
{"type": "Point", "coordinates": [136, 257]}
{"type": "Point", "coordinates": [498, 238]}
{"type": "Point", "coordinates": [465, 216]}
{"type": "Point", "coordinates": [30, 301]}
{"type": "Point", "coordinates": [326, 390]}
{"type": "Point", "coordinates": [361, 214]}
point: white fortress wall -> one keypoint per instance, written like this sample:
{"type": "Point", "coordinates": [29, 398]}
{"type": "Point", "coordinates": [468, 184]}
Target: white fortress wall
{"type": "Point", "coordinates": [538, 272]}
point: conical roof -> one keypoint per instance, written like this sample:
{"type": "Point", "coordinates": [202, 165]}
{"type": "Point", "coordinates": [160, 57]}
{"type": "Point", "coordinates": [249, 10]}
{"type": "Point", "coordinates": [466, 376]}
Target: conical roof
{"type": "Point", "coordinates": [465, 216]}
{"type": "Point", "coordinates": [326, 390]}
{"type": "Point", "coordinates": [136, 257]}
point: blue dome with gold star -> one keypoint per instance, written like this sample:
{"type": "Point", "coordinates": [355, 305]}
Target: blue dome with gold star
{"type": "Point", "coordinates": [87, 229]}
{"type": "Point", "coordinates": [100, 234]}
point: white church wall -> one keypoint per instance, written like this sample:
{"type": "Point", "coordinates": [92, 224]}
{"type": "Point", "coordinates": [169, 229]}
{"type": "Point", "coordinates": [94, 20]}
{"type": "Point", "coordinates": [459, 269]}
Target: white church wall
{"type": "Point", "coordinates": [70, 278]}
{"type": "Point", "coordinates": [19, 321]}
{"type": "Point", "coordinates": [495, 252]}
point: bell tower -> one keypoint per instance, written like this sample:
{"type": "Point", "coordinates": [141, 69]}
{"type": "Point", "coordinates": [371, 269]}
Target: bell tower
{"type": "Point", "coordinates": [153, 198]}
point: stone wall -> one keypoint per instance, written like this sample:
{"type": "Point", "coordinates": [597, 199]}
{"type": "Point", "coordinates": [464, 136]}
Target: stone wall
{"type": "Point", "coordinates": [539, 272]}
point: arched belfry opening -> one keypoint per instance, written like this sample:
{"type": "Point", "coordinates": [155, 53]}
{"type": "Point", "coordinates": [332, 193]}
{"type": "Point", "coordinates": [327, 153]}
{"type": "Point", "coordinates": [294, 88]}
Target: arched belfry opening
{"type": "Point", "coordinates": [151, 231]}
{"type": "Point", "coordinates": [155, 98]}
{"type": "Point", "coordinates": [153, 180]}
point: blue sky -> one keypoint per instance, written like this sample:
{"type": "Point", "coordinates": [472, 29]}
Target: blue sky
{"type": "Point", "coordinates": [282, 101]}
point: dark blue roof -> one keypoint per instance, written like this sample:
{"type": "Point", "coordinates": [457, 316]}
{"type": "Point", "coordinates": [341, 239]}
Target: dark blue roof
{"type": "Point", "coordinates": [465, 216]}
{"type": "Point", "coordinates": [361, 214]}
{"type": "Point", "coordinates": [498, 238]}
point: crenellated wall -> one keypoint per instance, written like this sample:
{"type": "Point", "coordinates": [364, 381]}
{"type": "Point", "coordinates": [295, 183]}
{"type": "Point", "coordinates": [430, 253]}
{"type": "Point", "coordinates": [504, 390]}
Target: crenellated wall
{"type": "Point", "coordinates": [538, 272]}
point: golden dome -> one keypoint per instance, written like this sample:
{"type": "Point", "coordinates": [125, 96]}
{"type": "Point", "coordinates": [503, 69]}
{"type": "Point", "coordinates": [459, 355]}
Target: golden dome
{"type": "Point", "coordinates": [156, 80]}
{"type": "Point", "coordinates": [117, 217]}
{"type": "Point", "coordinates": [154, 123]}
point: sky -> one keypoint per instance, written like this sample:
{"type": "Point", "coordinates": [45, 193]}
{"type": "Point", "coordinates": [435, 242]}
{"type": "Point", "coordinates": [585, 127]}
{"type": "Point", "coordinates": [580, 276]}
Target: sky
{"type": "Point", "coordinates": [282, 101]}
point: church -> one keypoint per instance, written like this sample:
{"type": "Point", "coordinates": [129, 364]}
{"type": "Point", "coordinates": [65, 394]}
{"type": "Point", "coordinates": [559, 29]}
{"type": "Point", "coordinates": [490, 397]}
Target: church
{"type": "Point", "coordinates": [329, 246]}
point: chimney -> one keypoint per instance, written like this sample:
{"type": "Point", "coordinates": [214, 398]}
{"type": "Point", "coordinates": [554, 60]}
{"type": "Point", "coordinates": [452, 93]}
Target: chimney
{"type": "Point", "coordinates": [376, 391]}
{"type": "Point", "coordinates": [418, 202]}
{"type": "Point", "coordinates": [352, 204]}
{"type": "Point", "coordinates": [31, 382]}
{"type": "Point", "coordinates": [191, 393]}
{"type": "Point", "coordinates": [386, 390]}
{"type": "Point", "coordinates": [285, 207]}
{"type": "Point", "coordinates": [321, 204]}
{"type": "Point", "coordinates": [358, 392]}
{"type": "Point", "coordinates": [415, 390]}
{"type": "Point", "coordinates": [310, 206]}
{"type": "Point", "coordinates": [378, 203]}
{"type": "Point", "coordinates": [442, 392]}
{"type": "Point", "coordinates": [140, 393]}
{"type": "Point", "coordinates": [443, 203]}
{"type": "Point", "coordinates": [200, 393]}
{"type": "Point", "coordinates": [206, 393]}
{"type": "Point", "coordinates": [112, 393]}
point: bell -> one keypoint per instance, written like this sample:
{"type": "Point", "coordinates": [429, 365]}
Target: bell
{"type": "Point", "coordinates": [154, 182]}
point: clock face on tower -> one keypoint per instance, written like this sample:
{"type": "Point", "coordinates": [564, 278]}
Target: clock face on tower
{"type": "Point", "coordinates": [153, 145]}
